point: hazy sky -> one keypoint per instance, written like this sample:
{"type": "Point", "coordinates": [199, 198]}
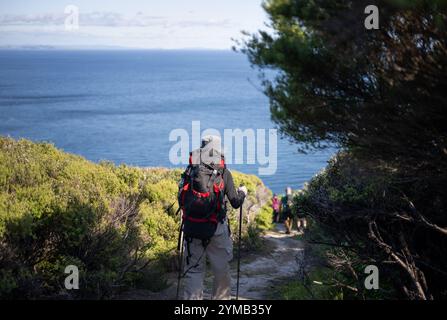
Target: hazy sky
{"type": "Point", "coordinates": [167, 24]}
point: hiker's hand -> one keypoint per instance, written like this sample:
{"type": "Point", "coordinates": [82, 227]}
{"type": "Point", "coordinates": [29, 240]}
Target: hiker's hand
{"type": "Point", "coordinates": [243, 189]}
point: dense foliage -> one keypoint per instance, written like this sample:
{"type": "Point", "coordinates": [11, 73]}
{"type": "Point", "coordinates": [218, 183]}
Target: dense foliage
{"type": "Point", "coordinates": [378, 95]}
{"type": "Point", "coordinates": [117, 224]}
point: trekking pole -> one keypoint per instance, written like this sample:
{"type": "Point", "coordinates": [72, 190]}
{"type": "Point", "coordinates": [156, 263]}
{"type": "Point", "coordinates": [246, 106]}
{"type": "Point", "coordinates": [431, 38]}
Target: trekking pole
{"type": "Point", "coordinates": [181, 249]}
{"type": "Point", "coordinates": [239, 252]}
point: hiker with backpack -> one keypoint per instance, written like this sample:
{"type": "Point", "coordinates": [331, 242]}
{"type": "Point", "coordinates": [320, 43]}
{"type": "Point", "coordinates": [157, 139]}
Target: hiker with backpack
{"type": "Point", "coordinates": [286, 209]}
{"type": "Point", "coordinates": [301, 222]}
{"type": "Point", "coordinates": [275, 207]}
{"type": "Point", "coordinates": [205, 184]}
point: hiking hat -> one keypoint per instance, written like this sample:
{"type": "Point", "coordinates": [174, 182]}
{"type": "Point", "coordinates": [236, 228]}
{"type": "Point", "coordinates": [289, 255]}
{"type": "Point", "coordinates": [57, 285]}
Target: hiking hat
{"type": "Point", "coordinates": [212, 142]}
{"type": "Point", "coordinates": [210, 151]}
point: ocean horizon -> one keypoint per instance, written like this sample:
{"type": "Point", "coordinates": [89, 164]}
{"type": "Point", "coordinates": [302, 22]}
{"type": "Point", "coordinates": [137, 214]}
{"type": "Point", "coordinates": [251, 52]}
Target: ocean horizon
{"type": "Point", "coordinates": [121, 105]}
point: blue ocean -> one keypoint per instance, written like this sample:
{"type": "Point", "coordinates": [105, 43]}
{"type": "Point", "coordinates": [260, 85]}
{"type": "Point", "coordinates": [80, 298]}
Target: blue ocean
{"type": "Point", "coordinates": [122, 105]}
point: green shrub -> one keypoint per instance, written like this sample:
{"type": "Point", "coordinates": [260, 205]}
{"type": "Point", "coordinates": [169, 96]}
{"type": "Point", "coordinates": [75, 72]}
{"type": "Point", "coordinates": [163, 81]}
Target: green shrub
{"type": "Point", "coordinates": [117, 224]}
{"type": "Point", "coordinates": [355, 209]}
{"type": "Point", "coordinates": [264, 219]}
{"type": "Point", "coordinates": [319, 285]}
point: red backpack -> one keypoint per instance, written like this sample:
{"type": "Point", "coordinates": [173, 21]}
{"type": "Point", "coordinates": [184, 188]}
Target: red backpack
{"type": "Point", "coordinates": [201, 197]}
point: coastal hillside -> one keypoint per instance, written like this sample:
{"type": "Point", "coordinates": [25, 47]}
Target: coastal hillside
{"type": "Point", "coordinates": [117, 224]}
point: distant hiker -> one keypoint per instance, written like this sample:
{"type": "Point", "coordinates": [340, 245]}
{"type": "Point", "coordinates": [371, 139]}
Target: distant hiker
{"type": "Point", "coordinates": [275, 207]}
{"type": "Point", "coordinates": [205, 183]}
{"type": "Point", "coordinates": [301, 222]}
{"type": "Point", "coordinates": [286, 209]}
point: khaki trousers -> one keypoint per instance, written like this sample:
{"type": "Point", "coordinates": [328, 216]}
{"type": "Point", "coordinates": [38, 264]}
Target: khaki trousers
{"type": "Point", "coordinates": [219, 252]}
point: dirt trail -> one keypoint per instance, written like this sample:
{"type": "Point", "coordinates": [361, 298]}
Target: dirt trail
{"type": "Point", "coordinates": [260, 272]}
